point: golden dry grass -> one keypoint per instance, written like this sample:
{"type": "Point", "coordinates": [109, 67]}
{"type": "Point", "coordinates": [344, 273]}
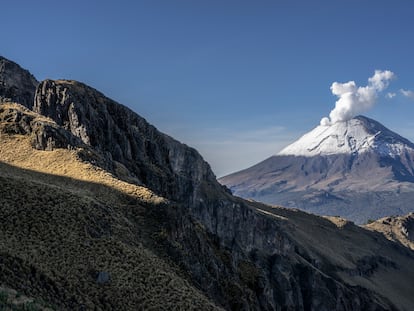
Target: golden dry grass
{"type": "Point", "coordinates": [393, 229]}
{"type": "Point", "coordinates": [16, 151]}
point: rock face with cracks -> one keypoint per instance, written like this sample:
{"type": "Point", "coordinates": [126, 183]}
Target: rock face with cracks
{"type": "Point", "coordinates": [153, 158]}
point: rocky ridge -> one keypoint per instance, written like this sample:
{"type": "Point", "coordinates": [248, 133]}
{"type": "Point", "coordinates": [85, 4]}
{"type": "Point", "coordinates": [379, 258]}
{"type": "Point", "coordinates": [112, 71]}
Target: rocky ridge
{"type": "Point", "coordinates": [241, 255]}
{"type": "Point", "coordinates": [152, 158]}
{"type": "Point", "coordinates": [16, 84]}
{"type": "Point", "coordinates": [396, 228]}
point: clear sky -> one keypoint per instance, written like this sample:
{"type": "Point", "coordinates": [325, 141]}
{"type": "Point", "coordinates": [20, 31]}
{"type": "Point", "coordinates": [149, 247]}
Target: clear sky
{"type": "Point", "coordinates": [238, 80]}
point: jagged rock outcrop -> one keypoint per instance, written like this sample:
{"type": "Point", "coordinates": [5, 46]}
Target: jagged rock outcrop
{"type": "Point", "coordinates": [396, 228]}
{"type": "Point", "coordinates": [45, 134]}
{"type": "Point", "coordinates": [16, 83]}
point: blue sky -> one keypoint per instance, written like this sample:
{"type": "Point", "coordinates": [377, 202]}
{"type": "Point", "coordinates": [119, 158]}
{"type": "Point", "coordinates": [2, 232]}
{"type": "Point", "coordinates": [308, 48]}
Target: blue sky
{"type": "Point", "coordinates": [238, 80]}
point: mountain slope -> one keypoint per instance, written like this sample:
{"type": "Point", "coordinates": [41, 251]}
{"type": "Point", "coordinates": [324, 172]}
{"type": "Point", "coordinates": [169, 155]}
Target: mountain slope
{"type": "Point", "coordinates": [86, 226]}
{"type": "Point", "coordinates": [356, 169]}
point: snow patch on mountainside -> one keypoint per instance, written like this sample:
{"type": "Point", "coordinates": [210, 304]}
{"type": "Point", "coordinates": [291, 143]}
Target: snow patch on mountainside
{"type": "Point", "coordinates": [354, 136]}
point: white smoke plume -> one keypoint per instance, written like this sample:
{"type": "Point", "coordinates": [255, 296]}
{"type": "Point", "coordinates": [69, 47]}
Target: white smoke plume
{"type": "Point", "coordinates": [353, 99]}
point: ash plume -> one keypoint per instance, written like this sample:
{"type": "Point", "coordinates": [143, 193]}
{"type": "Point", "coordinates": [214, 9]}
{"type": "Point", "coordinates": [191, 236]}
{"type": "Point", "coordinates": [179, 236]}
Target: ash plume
{"type": "Point", "coordinates": [353, 99]}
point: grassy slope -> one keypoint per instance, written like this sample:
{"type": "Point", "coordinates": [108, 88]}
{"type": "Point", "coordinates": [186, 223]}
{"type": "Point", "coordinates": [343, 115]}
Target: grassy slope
{"type": "Point", "coordinates": [65, 222]}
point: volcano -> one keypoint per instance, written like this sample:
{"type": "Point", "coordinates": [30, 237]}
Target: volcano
{"type": "Point", "coordinates": [357, 169]}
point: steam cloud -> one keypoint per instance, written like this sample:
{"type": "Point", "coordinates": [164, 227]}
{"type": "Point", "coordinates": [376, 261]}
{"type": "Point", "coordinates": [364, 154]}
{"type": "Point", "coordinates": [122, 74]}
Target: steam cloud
{"type": "Point", "coordinates": [355, 99]}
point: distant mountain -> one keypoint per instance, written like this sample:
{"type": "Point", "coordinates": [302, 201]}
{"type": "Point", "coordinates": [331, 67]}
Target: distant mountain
{"type": "Point", "coordinates": [357, 169]}
{"type": "Point", "coordinates": [356, 136]}
{"type": "Point", "coordinates": [101, 211]}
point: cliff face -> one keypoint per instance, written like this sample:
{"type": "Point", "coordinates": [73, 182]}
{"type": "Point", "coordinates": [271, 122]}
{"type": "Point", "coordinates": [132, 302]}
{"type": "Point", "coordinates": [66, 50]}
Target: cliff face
{"type": "Point", "coordinates": [242, 255]}
{"type": "Point", "coordinates": [155, 159]}
{"type": "Point", "coordinates": [16, 83]}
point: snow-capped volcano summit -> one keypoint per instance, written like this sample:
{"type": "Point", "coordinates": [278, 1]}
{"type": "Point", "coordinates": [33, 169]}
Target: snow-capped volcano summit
{"type": "Point", "coordinates": [357, 169]}
{"type": "Point", "coordinates": [357, 135]}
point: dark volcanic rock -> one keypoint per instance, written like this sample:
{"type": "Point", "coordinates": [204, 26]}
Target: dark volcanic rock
{"type": "Point", "coordinates": [16, 84]}
{"type": "Point", "coordinates": [45, 134]}
{"type": "Point", "coordinates": [103, 277]}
